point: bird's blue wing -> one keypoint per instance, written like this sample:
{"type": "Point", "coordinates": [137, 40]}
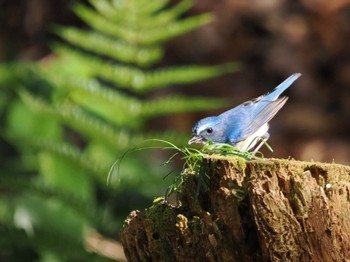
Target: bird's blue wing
{"type": "Point", "coordinates": [244, 120]}
{"type": "Point", "coordinates": [263, 112]}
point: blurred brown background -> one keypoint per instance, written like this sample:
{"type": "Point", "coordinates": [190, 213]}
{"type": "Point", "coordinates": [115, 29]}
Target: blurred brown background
{"type": "Point", "coordinates": [271, 39]}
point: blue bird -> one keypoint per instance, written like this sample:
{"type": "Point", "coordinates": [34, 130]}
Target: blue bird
{"type": "Point", "coordinates": [243, 125]}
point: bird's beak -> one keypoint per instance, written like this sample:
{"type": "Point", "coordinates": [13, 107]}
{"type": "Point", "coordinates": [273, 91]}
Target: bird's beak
{"type": "Point", "coordinates": [195, 139]}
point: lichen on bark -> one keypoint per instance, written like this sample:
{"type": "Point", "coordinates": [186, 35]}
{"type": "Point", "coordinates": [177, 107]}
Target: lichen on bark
{"type": "Point", "coordinates": [261, 210]}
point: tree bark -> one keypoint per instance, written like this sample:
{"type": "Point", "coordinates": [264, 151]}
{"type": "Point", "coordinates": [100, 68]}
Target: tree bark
{"type": "Point", "coordinates": [261, 210]}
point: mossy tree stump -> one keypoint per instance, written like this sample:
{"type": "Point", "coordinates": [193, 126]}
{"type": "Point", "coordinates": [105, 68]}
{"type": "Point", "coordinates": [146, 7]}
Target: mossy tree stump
{"type": "Point", "coordinates": [264, 210]}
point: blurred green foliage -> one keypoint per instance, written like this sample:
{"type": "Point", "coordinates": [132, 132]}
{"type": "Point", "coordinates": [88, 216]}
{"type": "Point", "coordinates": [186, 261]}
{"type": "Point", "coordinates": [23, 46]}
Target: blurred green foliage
{"type": "Point", "coordinates": [65, 121]}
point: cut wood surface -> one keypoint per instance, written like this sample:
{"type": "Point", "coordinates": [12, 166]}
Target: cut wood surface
{"type": "Point", "coordinates": [261, 210]}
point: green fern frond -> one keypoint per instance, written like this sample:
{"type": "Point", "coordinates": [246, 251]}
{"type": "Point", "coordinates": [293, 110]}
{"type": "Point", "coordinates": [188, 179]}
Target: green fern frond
{"type": "Point", "coordinates": [167, 15]}
{"type": "Point", "coordinates": [36, 104]}
{"type": "Point", "coordinates": [180, 75]}
{"type": "Point", "coordinates": [147, 7]}
{"type": "Point", "coordinates": [132, 17]}
{"type": "Point", "coordinates": [119, 108]}
{"type": "Point", "coordinates": [72, 154]}
{"type": "Point", "coordinates": [157, 35]}
{"type": "Point", "coordinates": [110, 8]}
{"type": "Point", "coordinates": [79, 120]}
{"type": "Point", "coordinates": [143, 81]}
{"type": "Point", "coordinates": [105, 45]}
{"type": "Point", "coordinates": [112, 105]}
{"type": "Point", "coordinates": [95, 128]}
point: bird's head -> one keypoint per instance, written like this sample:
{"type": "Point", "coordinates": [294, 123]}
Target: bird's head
{"type": "Point", "coordinates": [206, 129]}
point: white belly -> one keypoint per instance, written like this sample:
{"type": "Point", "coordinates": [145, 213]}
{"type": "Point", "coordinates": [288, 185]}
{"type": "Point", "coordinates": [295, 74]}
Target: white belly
{"type": "Point", "coordinates": [251, 140]}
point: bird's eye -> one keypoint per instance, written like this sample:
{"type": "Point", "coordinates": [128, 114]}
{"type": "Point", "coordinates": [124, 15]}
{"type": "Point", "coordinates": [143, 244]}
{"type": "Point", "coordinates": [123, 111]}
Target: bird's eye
{"type": "Point", "coordinates": [209, 130]}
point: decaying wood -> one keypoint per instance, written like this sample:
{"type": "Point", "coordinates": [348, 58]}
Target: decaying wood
{"type": "Point", "coordinates": [265, 210]}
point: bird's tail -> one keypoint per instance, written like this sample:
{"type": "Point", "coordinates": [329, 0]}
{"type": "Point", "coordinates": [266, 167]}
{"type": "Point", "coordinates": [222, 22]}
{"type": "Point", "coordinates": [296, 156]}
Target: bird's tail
{"type": "Point", "coordinates": [282, 87]}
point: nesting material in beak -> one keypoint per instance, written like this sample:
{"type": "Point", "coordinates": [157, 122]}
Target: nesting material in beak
{"type": "Point", "coordinates": [195, 139]}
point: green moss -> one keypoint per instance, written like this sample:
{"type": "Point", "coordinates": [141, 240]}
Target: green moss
{"type": "Point", "coordinates": [163, 216]}
{"type": "Point", "coordinates": [238, 164]}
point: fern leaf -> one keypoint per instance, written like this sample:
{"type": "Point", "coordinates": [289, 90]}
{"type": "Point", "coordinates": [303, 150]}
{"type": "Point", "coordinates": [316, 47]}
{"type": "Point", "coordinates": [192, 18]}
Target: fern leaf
{"type": "Point", "coordinates": [105, 45]}
{"type": "Point", "coordinates": [142, 81]}
{"type": "Point", "coordinates": [162, 18]}
{"type": "Point", "coordinates": [168, 15]}
{"type": "Point", "coordinates": [95, 128]}
{"type": "Point", "coordinates": [120, 109]}
{"type": "Point", "coordinates": [141, 37]}
{"type": "Point", "coordinates": [163, 33]}
{"type": "Point", "coordinates": [131, 18]}
{"type": "Point", "coordinates": [110, 8]}
{"type": "Point", "coordinates": [181, 75]}
{"type": "Point", "coordinates": [147, 7]}
{"type": "Point", "coordinates": [79, 120]}
{"type": "Point", "coordinates": [71, 153]}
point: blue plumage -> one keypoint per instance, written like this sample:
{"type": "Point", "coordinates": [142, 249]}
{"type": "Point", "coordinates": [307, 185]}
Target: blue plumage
{"type": "Point", "coordinates": [242, 125]}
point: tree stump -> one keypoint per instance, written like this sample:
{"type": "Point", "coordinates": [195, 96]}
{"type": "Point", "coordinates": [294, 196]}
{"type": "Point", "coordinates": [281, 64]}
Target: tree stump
{"type": "Point", "coordinates": [261, 210]}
